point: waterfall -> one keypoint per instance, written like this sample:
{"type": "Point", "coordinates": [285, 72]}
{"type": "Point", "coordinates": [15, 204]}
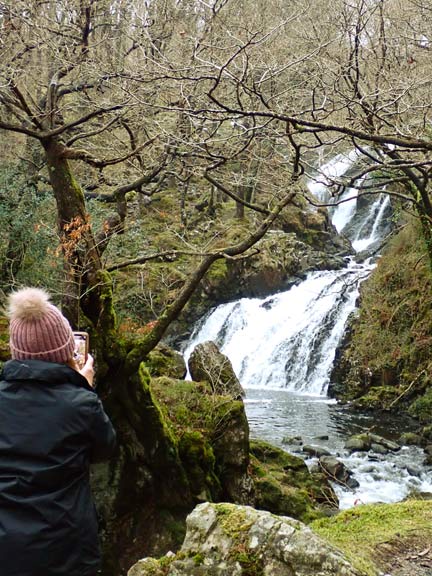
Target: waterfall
{"type": "Point", "coordinates": [282, 348]}
{"type": "Point", "coordinates": [288, 340]}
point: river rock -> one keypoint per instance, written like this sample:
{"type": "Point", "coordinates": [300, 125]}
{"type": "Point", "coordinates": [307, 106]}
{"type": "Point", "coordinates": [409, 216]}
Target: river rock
{"type": "Point", "coordinates": [428, 450]}
{"type": "Point", "coordinates": [208, 363]}
{"type": "Point", "coordinates": [292, 440]}
{"type": "Point", "coordinates": [337, 471]}
{"type": "Point", "coordinates": [378, 448]}
{"type": "Point", "coordinates": [365, 442]}
{"type": "Point", "coordinates": [413, 471]}
{"type": "Point", "coordinates": [229, 540]}
{"type": "Point", "coordinates": [317, 451]}
{"type": "Point", "coordinates": [358, 443]}
{"type": "Point", "coordinates": [388, 444]}
{"type": "Point", "coordinates": [410, 439]}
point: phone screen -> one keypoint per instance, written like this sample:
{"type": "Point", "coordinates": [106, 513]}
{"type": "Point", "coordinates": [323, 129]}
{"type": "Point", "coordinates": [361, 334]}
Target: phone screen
{"type": "Point", "coordinates": [81, 348]}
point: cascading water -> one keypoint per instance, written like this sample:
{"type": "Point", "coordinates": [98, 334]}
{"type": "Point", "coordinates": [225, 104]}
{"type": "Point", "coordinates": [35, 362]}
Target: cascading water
{"type": "Point", "coordinates": [282, 348]}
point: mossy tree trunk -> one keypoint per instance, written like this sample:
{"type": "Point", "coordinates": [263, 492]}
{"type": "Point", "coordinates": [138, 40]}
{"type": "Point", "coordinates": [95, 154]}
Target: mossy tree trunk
{"type": "Point", "coordinates": [149, 473]}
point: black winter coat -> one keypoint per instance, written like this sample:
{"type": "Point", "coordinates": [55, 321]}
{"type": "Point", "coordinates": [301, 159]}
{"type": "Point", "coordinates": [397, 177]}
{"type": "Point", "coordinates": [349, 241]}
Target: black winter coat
{"type": "Point", "coordinates": [52, 424]}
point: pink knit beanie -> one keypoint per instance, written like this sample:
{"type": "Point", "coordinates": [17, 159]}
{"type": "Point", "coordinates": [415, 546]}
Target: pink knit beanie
{"type": "Point", "coordinates": [37, 329]}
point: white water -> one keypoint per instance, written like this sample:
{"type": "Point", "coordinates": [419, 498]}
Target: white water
{"type": "Point", "coordinates": [287, 342]}
{"type": "Point", "coordinates": [277, 342]}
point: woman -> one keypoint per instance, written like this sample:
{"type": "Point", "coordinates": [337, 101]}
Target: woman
{"type": "Point", "coordinates": [52, 425]}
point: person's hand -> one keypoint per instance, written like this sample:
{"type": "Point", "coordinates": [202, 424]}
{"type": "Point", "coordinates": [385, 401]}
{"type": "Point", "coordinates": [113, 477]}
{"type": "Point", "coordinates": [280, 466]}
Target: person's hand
{"type": "Point", "coordinates": [87, 370]}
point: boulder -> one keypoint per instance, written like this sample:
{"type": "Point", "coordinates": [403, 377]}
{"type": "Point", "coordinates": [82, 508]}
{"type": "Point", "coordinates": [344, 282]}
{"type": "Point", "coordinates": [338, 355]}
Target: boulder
{"type": "Point", "coordinates": [230, 540]}
{"type": "Point", "coordinates": [164, 361]}
{"type": "Point", "coordinates": [365, 442]}
{"type": "Point", "coordinates": [213, 438]}
{"type": "Point", "coordinates": [316, 451]}
{"type": "Point", "coordinates": [387, 444]}
{"type": "Point", "coordinates": [411, 439]}
{"type": "Point", "coordinates": [292, 440]}
{"type": "Point", "coordinates": [285, 486]}
{"type": "Point", "coordinates": [337, 471]}
{"type": "Point", "coordinates": [208, 363]}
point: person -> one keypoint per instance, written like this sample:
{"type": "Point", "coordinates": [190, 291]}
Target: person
{"type": "Point", "coordinates": [52, 425]}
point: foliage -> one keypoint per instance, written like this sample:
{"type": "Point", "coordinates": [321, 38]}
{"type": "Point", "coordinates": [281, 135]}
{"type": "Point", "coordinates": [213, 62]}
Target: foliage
{"type": "Point", "coordinates": [27, 232]}
{"type": "Point", "coordinates": [388, 359]}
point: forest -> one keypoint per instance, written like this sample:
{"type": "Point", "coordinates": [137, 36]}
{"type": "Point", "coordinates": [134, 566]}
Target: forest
{"type": "Point", "coordinates": [154, 159]}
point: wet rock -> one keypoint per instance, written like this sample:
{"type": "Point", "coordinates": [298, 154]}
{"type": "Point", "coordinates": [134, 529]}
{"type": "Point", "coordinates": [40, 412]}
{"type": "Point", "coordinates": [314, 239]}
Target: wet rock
{"type": "Point", "coordinates": [292, 440]}
{"type": "Point", "coordinates": [427, 461]}
{"type": "Point", "coordinates": [428, 450]}
{"type": "Point", "coordinates": [316, 451]}
{"type": "Point", "coordinates": [229, 540]}
{"type": "Point", "coordinates": [208, 363]}
{"type": "Point", "coordinates": [322, 437]}
{"type": "Point", "coordinates": [379, 448]}
{"type": "Point", "coordinates": [413, 471]}
{"type": "Point", "coordinates": [359, 443]}
{"type": "Point", "coordinates": [365, 442]}
{"type": "Point", "coordinates": [337, 471]}
{"type": "Point", "coordinates": [410, 439]}
{"type": "Point", "coordinates": [284, 484]}
{"type": "Point", "coordinates": [392, 446]}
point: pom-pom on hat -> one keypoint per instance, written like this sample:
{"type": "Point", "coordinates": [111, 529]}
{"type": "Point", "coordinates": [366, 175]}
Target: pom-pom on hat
{"type": "Point", "coordinates": [37, 329]}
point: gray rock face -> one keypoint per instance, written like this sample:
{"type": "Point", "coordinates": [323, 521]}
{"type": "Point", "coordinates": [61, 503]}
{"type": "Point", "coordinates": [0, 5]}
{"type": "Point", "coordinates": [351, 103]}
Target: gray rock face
{"type": "Point", "coordinates": [337, 471]}
{"type": "Point", "coordinates": [317, 451]}
{"type": "Point", "coordinates": [208, 363]}
{"type": "Point", "coordinates": [229, 540]}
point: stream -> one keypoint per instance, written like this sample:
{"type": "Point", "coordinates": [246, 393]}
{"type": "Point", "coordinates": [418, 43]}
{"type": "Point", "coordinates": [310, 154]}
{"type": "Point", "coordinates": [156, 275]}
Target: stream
{"type": "Point", "coordinates": [282, 348]}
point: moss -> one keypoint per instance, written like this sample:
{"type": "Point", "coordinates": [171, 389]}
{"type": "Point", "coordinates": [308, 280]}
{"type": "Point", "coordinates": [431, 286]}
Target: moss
{"type": "Point", "coordinates": [233, 520]}
{"type": "Point", "coordinates": [284, 485]}
{"type": "Point", "coordinates": [199, 462]}
{"type": "Point", "coordinates": [163, 361]}
{"type": "Point", "coordinates": [193, 405]}
{"type": "Point", "coordinates": [198, 559]}
{"type": "Point", "coordinates": [421, 408]}
{"type": "Point", "coordinates": [360, 531]}
{"type": "Point", "coordinates": [387, 361]}
{"type": "Point", "coordinates": [377, 397]}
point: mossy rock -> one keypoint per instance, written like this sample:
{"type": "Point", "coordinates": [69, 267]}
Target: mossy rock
{"type": "Point", "coordinates": [377, 398]}
{"type": "Point", "coordinates": [421, 408]}
{"type": "Point", "coordinates": [164, 361]}
{"type": "Point", "coordinates": [191, 408]}
{"type": "Point", "coordinates": [284, 485]}
{"type": "Point", "coordinates": [198, 460]}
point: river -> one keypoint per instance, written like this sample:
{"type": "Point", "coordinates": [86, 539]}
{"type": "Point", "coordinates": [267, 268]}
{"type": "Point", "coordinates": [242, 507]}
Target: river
{"type": "Point", "coordinates": [282, 348]}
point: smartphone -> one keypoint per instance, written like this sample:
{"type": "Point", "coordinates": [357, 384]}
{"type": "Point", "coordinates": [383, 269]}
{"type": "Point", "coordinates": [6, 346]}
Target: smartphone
{"type": "Point", "coordinates": [81, 348]}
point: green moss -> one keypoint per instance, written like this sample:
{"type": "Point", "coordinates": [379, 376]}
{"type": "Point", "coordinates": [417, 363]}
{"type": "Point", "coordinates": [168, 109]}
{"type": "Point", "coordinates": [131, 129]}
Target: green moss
{"type": "Point", "coordinates": [163, 361]}
{"type": "Point", "coordinates": [387, 362]}
{"type": "Point", "coordinates": [377, 397]}
{"type": "Point", "coordinates": [199, 462]}
{"type": "Point", "coordinates": [421, 408]}
{"type": "Point", "coordinates": [233, 520]}
{"type": "Point", "coordinates": [284, 485]}
{"type": "Point", "coordinates": [198, 559]}
{"type": "Point", "coordinates": [359, 531]}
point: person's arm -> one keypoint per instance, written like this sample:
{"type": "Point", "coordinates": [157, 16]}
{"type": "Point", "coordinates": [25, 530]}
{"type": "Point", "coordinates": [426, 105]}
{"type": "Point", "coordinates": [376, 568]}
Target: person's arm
{"type": "Point", "coordinates": [102, 433]}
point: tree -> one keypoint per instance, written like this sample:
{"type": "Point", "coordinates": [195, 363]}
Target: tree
{"type": "Point", "coordinates": [95, 85]}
